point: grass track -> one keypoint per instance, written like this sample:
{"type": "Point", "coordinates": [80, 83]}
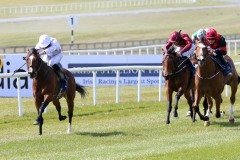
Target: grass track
{"type": "Point", "coordinates": [128, 130]}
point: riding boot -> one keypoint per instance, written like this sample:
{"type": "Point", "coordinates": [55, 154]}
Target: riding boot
{"type": "Point", "coordinates": [62, 77]}
{"type": "Point", "coordinates": [227, 71]}
{"type": "Point", "coordinates": [191, 67]}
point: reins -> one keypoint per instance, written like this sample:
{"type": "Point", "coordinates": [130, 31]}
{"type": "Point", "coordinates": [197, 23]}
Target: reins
{"type": "Point", "coordinates": [178, 71]}
{"type": "Point", "coordinates": [207, 78]}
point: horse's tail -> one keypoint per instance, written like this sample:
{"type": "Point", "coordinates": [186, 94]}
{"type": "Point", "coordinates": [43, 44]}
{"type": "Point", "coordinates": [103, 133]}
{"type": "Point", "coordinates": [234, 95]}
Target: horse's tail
{"type": "Point", "coordinates": [81, 89]}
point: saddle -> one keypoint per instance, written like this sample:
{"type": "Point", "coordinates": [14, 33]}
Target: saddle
{"type": "Point", "coordinates": [225, 67]}
{"type": "Point", "coordinates": [63, 82]}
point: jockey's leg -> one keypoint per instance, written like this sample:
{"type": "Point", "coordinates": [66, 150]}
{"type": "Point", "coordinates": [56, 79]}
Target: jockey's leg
{"type": "Point", "coordinates": [61, 75]}
{"type": "Point", "coordinates": [191, 66]}
{"type": "Point", "coordinates": [227, 69]}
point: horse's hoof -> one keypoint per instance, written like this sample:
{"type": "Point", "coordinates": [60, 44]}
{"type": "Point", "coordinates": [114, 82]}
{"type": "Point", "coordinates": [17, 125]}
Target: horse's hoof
{"type": "Point", "coordinates": [36, 123]}
{"type": "Point", "coordinates": [206, 123]}
{"type": "Point", "coordinates": [167, 122]}
{"type": "Point", "coordinates": [222, 114]}
{"type": "Point", "coordinates": [232, 120]}
{"type": "Point", "coordinates": [188, 114]}
{"type": "Point", "coordinates": [62, 118]}
{"type": "Point", "coordinates": [218, 115]}
{"type": "Point", "coordinates": [175, 115]}
{"type": "Point", "coordinates": [206, 118]}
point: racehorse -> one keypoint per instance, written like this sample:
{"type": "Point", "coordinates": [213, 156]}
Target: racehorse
{"type": "Point", "coordinates": [209, 81]}
{"type": "Point", "coordinates": [46, 86]}
{"type": "Point", "coordinates": [178, 79]}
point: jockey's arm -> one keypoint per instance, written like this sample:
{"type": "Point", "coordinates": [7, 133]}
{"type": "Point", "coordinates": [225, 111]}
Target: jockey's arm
{"type": "Point", "coordinates": [222, 49]}
{"type": "Point", "coordinates": [168, 45]}
{"type": "Point", "coordinates": [186, 47]}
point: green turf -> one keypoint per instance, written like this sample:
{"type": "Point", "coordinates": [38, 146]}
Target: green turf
{"type": "Point", "coordinates": [128, 130]}
{"type": "Point", "coordinates": [122, 27]}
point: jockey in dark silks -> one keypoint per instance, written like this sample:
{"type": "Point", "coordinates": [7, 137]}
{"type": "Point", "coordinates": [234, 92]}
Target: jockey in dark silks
{"type": "Point", "coordinates": [218, 48]}
{"type": "Point", "coordinates": [185, 48]}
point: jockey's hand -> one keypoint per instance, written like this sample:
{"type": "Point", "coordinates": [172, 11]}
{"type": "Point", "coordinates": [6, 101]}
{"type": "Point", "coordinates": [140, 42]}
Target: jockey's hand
{"type": "Point", "coordinates": [42, 53]}
{"type": "Point", "coordinates": [179, 54]}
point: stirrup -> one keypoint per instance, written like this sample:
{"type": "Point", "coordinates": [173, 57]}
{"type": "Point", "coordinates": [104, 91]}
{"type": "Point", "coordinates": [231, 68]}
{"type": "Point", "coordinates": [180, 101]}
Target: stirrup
{"type": "Point", "coordinates": [60, 93]}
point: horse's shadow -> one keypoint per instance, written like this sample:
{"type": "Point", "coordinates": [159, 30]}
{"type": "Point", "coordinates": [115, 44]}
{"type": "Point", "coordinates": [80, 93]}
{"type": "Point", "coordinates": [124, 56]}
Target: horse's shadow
{"type": "Point", "coordinates": [226, 124]}
{"type": "Point", "coordinates": [100, 134]}
{"type": "Point", "coordinates": [108, 111]}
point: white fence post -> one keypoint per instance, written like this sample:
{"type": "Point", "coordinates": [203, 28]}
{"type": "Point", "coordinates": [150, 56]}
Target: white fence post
{"type": "Point", "coordinates": [117, 86]}
{"type": "Point", "coordinates": [20, 113]}
{"type": "Point", "coordinates": [94, 88]}
{"type": "Point", "coordinates": [139, 85]}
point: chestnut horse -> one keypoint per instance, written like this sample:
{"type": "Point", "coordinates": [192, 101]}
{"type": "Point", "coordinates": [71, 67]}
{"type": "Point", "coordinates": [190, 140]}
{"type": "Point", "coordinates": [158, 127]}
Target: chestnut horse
{"type": "Point", "coordinates": [178, 79]}
{"type": "Point", "coordinates": [209, 81]}
{"type": "Point", "coordinates": [46, 86]}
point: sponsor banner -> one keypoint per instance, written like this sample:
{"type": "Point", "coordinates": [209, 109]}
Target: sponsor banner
{"type": "Point", "coordinates": [12, 62]}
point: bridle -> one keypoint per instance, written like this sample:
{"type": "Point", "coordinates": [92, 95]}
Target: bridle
{"type": "Point", "coordinates": [202, 61]}
{"type": "Point", "coordinates": [33, 73]}
{"type": "Point", "coordinates": [177, 68]}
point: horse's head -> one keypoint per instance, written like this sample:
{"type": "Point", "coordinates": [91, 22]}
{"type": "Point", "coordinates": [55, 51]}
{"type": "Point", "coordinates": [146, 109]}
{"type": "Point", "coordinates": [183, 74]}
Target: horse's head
{"type": "Point", "coordinates": [33, 62]}
{"type": "Point", "coordinates": [169, 65]}
{"type": "Point", "coordinates": [201, 53]}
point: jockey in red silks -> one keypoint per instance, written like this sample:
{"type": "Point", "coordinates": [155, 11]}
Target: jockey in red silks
{"type": "Point", "coordinates": [217, 44]}
{"type": "Point", "coordinates": [185, 48]}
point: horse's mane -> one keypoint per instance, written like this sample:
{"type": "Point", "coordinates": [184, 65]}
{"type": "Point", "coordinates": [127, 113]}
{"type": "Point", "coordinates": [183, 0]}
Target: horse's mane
{"type": "Point", "coordinates": [32, 51]}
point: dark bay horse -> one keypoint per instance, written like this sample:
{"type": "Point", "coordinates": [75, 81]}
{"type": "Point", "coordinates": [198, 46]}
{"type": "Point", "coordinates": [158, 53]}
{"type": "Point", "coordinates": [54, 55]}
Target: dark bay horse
{"type": "Point", "coordinates": [178, 79]}
{"type": "Point", "coordinates": [209, 81]}
{"type": "Point", "coordinates": [46, 86]}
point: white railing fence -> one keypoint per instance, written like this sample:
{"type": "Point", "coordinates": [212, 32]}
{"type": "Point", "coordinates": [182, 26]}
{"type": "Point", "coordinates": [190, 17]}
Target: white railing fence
{"type": "Point", "coordinates": [94, 70]}
{"type": "Point", "coordinates": [86, 6]}
{"type": "Point", "coordinates": [233, 46]}
{"type": "Point", "coordinates": [151, 49]}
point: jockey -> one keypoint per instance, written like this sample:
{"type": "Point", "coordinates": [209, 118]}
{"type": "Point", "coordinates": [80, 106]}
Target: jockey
{"type": "Point", "coordinates": [185, 47]}
{"type": "Point", "coordinates": [199, 36]}
{"type": "Point", "coordinates": [51, 53]}
{"type": "Point", "coordinates": [218, 48]}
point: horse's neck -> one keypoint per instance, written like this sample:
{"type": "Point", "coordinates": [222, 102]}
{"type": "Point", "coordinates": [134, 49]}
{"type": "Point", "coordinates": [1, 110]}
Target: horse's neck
{"type": "Point", "coordinates": [209, 68]}
{"type": "Point", "coordinates": [43, 71]}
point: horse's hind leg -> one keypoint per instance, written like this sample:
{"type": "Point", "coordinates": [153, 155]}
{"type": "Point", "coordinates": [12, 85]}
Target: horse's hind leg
{"type": "Point", "coordinates": [59, 110]}
{"type": "Point", "coordinates": [70, 114]}
{"type": "Point", "coordinates": [189, 98]}
{"type": "Point", "coordinates": [177, 98]}
{"type": "Point", "coordinates": [232, 100]}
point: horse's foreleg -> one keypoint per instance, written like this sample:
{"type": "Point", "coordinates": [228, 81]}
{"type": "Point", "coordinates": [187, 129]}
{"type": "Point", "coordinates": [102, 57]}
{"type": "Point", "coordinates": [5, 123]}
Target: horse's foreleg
{"type": "Point", "coordinates": [195, 107]}
{"type": "Point", "coordinates": [218, 101]}
{"type": "Point", "coordinates": [39, 121]}
{"type": "Point", "coordinates": [169, 109]}
{"type": "Point", "coordinates": [177, 98]}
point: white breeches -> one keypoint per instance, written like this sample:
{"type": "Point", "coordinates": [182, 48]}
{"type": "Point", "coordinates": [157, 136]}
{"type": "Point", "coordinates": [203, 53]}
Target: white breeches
{"type": "Point", "coordinates": [52, 60]}
{"type": "Point", "coordinates": [187, 53]}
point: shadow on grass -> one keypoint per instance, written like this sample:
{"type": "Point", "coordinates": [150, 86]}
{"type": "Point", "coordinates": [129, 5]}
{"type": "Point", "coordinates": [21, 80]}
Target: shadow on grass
{"type": "Point", "coordinates": [226, 124]}
{"type": "Point", "coordinates": [109, 111]}
{"type": "Point", "coordinates": [95, 134]}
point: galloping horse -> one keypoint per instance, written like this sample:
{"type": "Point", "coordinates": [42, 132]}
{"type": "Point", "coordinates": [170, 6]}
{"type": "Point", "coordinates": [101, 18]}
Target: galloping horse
{"type": "Point", "coordinates": [178, 79]}
{"type": "Point", "coordinates": [46, 86]}
{"type": "Point", "coordinates": [209, 81]}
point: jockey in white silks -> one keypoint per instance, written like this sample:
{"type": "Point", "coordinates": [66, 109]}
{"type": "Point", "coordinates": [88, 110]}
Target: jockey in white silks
{"type": "Point", "coordinates": [51, 53]}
